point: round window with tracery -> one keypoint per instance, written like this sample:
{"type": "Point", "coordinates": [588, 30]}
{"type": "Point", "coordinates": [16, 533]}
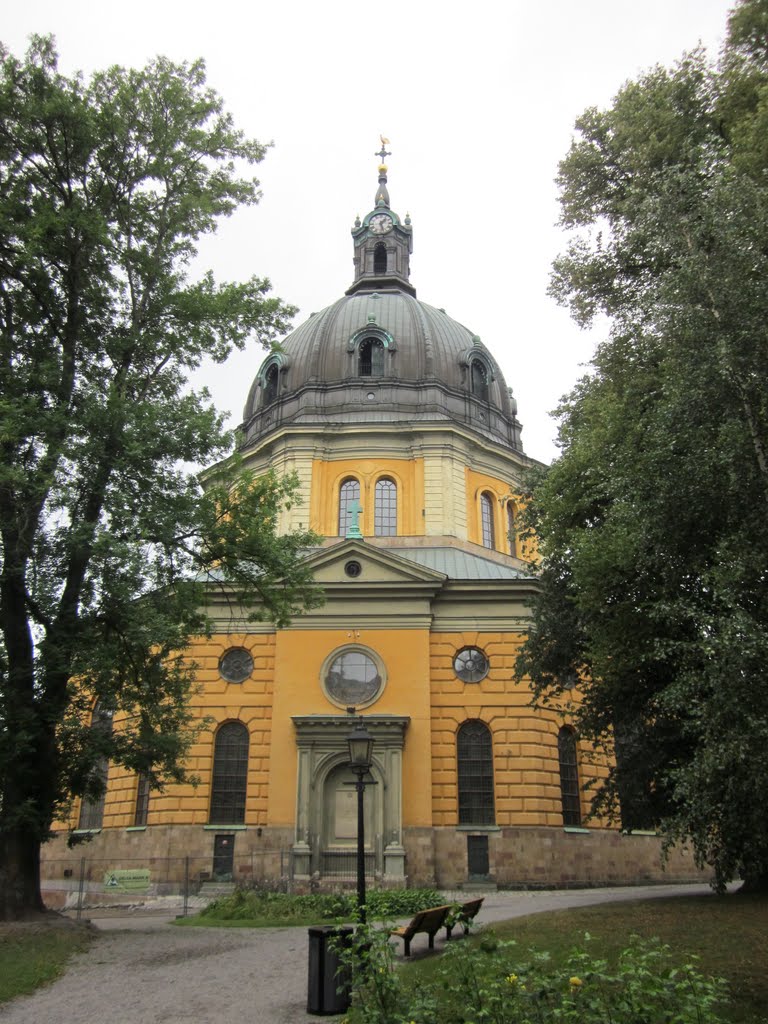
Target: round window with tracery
{"type": "Point", "coordinates": [235, 665]}
{"type": "Point", "coordinates": [353, 677]}
{"type": "Point", "coordinates": [471, 665]}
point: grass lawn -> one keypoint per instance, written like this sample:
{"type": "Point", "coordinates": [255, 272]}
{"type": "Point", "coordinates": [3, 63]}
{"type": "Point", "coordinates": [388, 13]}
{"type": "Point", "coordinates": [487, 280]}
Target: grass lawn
{"type": "Point", "coordinates": [34, 953]}
{"type": "Point", "coordinates": [729, 935]}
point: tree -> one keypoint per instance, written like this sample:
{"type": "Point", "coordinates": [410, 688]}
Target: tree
{"type": "Point", "coordinates": [652, 522]}
{"type": "Point", "coordinates": [107, 542]}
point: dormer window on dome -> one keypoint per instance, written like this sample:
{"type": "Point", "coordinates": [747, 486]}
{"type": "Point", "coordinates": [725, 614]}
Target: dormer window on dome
{"type": "Point", "coordinates": [268, 377]}
{"type": "Point", "coordinates": [371, 357]}
{"type": "Point", "coordinates": [479, 379]}
{"type": "Point", "coordinates": [477, 371]}
{"type": "Point", "coordinates": [372, 349]}
{"type": "Point", "coordinates": [270, 384]}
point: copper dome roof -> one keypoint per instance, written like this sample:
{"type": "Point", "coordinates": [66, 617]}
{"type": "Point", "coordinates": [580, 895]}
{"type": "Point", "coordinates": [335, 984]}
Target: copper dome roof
{"type": "Point", "coordinates": [380, 355]}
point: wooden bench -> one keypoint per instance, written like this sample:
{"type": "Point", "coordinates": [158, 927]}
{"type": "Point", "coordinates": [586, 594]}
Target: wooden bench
{"type": "Point", "coordinates": [427, 921]}
{"type": "Point", "coordinates": [466, 913]}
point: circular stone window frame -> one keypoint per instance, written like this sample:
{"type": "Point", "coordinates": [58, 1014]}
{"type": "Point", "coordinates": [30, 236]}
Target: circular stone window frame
{"type": "Point", "coordinates": [230, 678]}
{"type": "Point", "coordinates": [353, 649]}
{"type": "Point", "coordinates": [464, 650]}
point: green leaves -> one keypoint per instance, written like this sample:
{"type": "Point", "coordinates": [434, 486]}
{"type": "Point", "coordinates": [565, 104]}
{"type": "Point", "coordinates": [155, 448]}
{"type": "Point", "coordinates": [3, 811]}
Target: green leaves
{"type": "Point", "coordinates": [653, 521]}
{"type": "Point", "coordinates": [106, 186]}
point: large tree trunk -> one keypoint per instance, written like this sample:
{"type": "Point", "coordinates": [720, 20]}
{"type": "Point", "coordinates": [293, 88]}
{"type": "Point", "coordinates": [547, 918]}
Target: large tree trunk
{"type": "Point", "coordinates": [19, 876]}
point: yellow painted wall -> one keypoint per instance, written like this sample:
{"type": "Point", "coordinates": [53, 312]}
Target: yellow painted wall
{"type": "Point", "coordinates": [421, 683]}
{"type": "Point", "coordinates": [477, 484]}
{"type": "Point", "coordinates": [249, 702]}
{"type": "Point", "coordinates": [298, 660]}
{"type": "Point", "coordinates": [525, 756]}
{"type": "Point", "coordinates": [327, 478]}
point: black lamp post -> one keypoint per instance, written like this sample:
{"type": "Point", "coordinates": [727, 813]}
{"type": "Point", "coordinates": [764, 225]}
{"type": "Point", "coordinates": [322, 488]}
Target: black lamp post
{"type": "Point", "coordinates": [360, 744]}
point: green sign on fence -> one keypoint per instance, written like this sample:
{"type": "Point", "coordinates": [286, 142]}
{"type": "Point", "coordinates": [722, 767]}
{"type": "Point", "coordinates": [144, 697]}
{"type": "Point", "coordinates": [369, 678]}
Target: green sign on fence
{"type": "Point", "coordinates": [135, 880]}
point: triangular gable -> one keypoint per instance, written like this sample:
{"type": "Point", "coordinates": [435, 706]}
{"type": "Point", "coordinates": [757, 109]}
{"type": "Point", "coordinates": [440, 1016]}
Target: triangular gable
{"type": "Point", "coordinates": [377, 565]}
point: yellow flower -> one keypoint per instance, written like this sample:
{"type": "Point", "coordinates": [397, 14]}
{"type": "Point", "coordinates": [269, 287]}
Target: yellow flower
{"type": "Point", "coordinates": [512, 979]}
{"type": "Point", "coordinates": [575, 982]}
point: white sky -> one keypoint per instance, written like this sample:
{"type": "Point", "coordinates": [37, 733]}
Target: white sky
{"type": "Point", "coordinates": [478, 100]}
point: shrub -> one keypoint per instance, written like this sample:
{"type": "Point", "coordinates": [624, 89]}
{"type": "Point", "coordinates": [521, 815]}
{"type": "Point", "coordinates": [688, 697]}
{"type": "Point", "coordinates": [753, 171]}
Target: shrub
{"type": "Point", "coordinates": [495, 983]}
{"type": "Point", "coordinates": [247, 904]}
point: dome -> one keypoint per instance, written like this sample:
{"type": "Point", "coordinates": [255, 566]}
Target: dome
{"type": "Point", "coordinates": [380, 355]}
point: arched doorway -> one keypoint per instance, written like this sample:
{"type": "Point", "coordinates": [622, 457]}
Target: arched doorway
{"type": "Point", "coordinates": [326, 806]}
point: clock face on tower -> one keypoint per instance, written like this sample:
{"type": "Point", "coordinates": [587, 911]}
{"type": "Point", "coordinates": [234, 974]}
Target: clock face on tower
{"type": "Point", "coordinates": [380, 224]}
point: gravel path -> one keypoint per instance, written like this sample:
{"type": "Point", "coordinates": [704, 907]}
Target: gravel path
{"type": "Point", "coordinates": [140, 970]}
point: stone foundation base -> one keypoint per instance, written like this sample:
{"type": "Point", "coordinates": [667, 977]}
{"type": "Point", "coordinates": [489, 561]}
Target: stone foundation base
{"type": "Point", "coordinates": [116, 866]}
{"type": "Point", "coordinates": [552, 858]}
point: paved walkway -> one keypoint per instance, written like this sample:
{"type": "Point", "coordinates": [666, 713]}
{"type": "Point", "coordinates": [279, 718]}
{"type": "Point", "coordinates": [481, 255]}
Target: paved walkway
{"type": "Point", "coordinates": [140, 970]}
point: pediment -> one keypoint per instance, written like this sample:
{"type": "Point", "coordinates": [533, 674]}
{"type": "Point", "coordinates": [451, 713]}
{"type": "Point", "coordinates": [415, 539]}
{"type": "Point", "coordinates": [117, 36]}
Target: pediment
{"type": "Point", "coordinates": [332, 565]}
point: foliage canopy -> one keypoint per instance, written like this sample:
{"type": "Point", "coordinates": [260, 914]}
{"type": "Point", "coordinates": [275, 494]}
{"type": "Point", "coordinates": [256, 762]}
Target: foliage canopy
{"type": "Point", "coordinates": [652, 522]}
{"type": "Point", "coordinates": [107, 540]}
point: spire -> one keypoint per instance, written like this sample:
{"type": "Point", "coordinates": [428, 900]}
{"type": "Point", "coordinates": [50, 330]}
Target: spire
{"type": "Point", "coordinates": [382, 196]}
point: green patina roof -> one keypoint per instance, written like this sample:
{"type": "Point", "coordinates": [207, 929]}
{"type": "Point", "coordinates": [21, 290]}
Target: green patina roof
{"type": "Point", "coordinates": [457, 564]}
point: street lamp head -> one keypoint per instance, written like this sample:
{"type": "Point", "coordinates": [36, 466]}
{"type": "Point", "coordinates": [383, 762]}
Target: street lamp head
{"type": "Point", "coordinates": [360, 743]}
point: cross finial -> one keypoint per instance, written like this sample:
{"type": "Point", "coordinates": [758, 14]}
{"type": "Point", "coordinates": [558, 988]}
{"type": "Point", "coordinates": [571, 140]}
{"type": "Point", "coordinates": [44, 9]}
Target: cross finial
{"type": "Point", "coordinates": [353, 511]}
{"type": "Point", "coordinates": [383, 152]}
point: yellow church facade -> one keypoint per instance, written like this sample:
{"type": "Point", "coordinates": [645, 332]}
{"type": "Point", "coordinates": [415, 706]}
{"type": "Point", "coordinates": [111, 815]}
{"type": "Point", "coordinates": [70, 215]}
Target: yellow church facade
{"type": "Point", "coordinates": [402, 433]}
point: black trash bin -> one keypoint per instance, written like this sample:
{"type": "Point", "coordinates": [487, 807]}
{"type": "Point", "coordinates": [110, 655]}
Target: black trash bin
{"type": "Point", "coordinates": [329, 987]}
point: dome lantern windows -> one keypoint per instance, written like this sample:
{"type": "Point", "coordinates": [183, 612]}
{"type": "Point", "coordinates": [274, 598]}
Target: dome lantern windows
{"type": "Point", "coordinates": [380, 259]}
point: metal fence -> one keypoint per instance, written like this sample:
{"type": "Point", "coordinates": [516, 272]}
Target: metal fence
{"type": "Point", "coordinates": [186, 884]}
{"type": "Point", "coordinates": [157, 882]}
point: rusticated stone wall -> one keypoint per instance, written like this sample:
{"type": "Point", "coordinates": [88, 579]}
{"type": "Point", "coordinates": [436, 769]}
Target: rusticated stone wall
{"type": "Point", "coordinates": [558, 858]}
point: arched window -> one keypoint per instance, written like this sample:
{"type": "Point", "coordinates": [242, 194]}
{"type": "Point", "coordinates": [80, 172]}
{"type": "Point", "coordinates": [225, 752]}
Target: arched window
{"type": "Point", "coordinates": [511, 531]}
{"type": "Point", "coordinates": [349, 492]}
{"type": "Point", "coordinates": [380, 259]}
{"type": "Point", "coordinates": [479, 380]}
{"type": "Point", "coordinates": [385, 508]}
{"type": "Point", "coordinates": [569, 777]}
{"type": "Point", "coordinates": [230, 775]}
{"type": "Point", "coordinates": [270, 385]}
{"type": "Point", "coordinates": [486, 520]}
{"type": "Point", "coordinates": [92, 805]}
{"type": "Point", "coordinates": [371, 358]}
{"type": "Point", "coordinates": [142, 800]}
{"type": "Point", "coordinates": [474, 755]}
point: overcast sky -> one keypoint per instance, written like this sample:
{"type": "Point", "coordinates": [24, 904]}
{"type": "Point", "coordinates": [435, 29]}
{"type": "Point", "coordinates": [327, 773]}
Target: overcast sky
{"type": "Point", "coordinates": [478, 100]}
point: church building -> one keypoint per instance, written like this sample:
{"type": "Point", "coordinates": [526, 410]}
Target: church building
{"type": "Point", "coordinates": [404, 436]}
